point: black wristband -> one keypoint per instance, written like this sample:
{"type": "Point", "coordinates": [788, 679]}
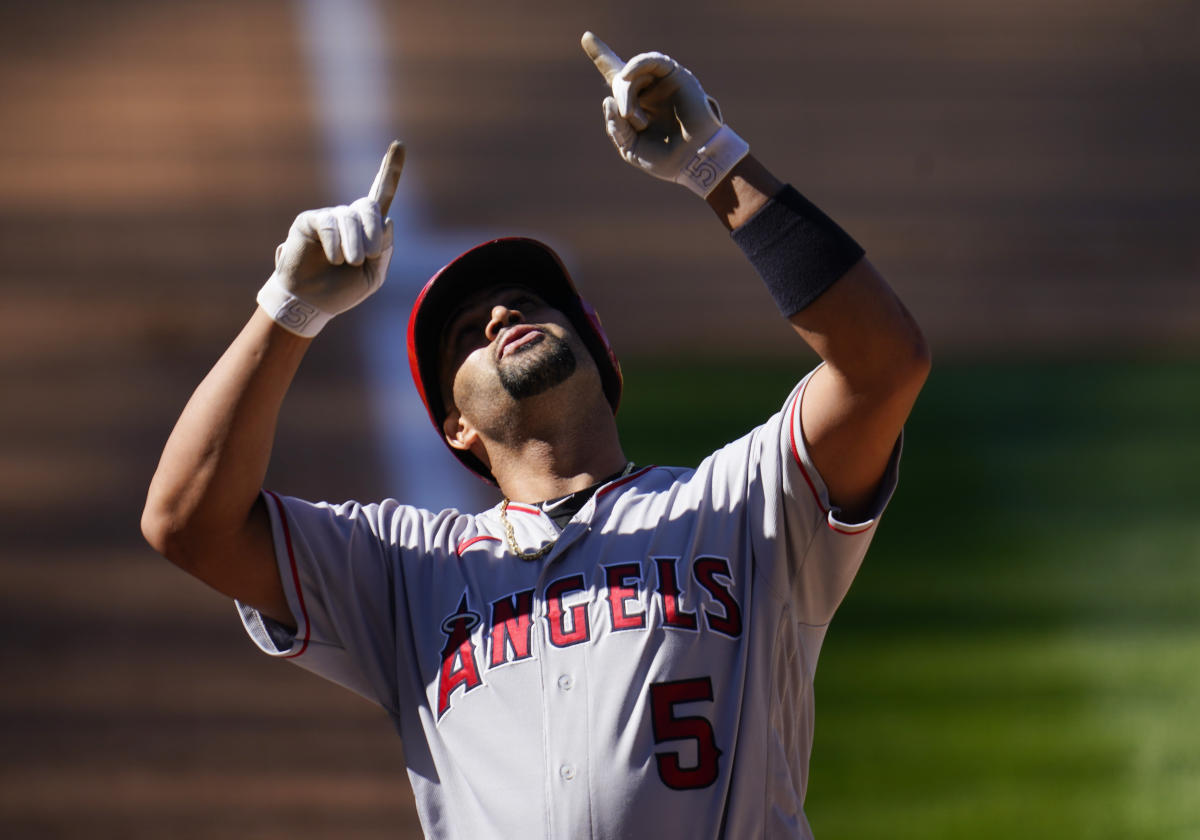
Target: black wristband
{"type": "Point", "coordinates": [797, 250]}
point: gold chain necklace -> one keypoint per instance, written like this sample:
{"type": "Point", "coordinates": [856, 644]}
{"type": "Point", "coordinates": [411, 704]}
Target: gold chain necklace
{"type": "Point", "coordinates": [536, 554]}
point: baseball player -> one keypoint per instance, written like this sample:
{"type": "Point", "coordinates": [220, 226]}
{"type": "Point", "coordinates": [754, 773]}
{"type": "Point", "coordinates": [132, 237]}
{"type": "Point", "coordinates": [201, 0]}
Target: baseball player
{"type": "Point", "coordinates": [614, 650]}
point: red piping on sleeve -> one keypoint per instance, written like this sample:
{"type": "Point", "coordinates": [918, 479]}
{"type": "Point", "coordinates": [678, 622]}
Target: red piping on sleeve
{"type": "Point", "coordinates": [796, 452]}
{"type": "Point", "coordinates": [847, 531]}
{"type": "Point", "coordinates": [808, 479]}
{"type": "Point", "coordinates": [287, 540]}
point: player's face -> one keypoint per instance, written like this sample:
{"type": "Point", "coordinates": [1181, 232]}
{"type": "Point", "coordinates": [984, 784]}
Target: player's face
{"type": "Point", "coordinates": [511, 337]}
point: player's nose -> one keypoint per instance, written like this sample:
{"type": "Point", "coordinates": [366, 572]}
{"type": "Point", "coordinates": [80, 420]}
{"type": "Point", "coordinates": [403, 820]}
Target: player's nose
{"type": "Point", "coordinates": [502, 316]}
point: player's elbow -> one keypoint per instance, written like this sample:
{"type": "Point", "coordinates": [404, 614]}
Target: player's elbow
{"type": "Point", "coordinates": [160, 529]}
{"type": "Point", "coordinates": [185, 546]}
{"type": "Point", "coordinates": [170, 531]}
{"type": "Point", "coordinates": [906, 355]}
{"type": "Point", "coordinates": [901, 371]}
{"type": "Point", "coordinates": [915, 358]}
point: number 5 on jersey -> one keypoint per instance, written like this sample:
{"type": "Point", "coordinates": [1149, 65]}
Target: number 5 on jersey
{"type": "Point", "coordinates": [668, 726]}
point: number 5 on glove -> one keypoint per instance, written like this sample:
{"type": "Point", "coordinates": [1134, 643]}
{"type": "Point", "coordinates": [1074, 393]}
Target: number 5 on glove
{"type": "Point", "coordinates": [335, 257]}
{"type": "Point", "coordinates": [661, 120]}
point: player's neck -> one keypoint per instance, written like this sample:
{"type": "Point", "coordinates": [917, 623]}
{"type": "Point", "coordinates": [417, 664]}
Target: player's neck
{"type": "Point", "coordinates": [541, 469]}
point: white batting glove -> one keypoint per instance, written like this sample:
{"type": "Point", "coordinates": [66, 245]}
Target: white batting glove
{"type": "Point", "coordinates": [335, 257]}
{"type": "Point", "coordinates": [661, 120]}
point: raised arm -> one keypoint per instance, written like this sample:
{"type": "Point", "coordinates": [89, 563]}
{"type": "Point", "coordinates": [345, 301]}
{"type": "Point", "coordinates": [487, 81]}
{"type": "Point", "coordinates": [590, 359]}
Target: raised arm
{"type": "Point", "coordinates": [203, 510]}
{"type": "Point", "coordinates": [876, 360]}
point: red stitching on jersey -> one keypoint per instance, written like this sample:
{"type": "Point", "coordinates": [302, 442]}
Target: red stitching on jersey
{"type": "Point", "coordinates": [465, 544]}
{"type": "Point", "coordinates": [846, 530]}
{"type": "Point", "coordinates": [287, 539]}
{"type": "Point", "coordinates": [523, 509]}
{"type": "Point", "coordinates": [624, 480]}
{"type": "Point", "coordinates": [811, 486]}
{"type": "Point", "coordinates": [796, 453]}
{"type": "Point", "coordinates": [537, 511]}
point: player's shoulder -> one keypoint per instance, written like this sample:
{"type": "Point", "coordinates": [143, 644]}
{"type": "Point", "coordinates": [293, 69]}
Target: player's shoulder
{"type": "Point", "coordinates": [653, 485]}
{"type": "Point", "coordinates": [388, 520]}
{"type": "Point", "coordinates": [652, 478]}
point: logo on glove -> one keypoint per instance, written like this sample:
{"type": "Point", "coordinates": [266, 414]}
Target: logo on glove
{"type": "Point", "coordinates": [703, 171]}
{"type": "Point", "coordinates": [295, 314]}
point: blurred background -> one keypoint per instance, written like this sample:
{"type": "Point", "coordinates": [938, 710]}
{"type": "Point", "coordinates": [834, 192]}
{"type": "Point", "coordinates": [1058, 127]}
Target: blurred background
{"type": "Point", "coordinates": [1019, 655]}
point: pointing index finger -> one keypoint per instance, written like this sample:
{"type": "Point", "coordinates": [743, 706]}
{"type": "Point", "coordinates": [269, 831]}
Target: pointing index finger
{"type": "Point", "coordinates": [383, 190]}
{"type": "Point", "coordinates": [602, 55]}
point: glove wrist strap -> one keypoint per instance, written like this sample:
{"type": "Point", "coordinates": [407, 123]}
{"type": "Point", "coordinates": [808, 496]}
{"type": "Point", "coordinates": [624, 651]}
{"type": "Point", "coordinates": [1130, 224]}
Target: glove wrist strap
{"type": "Point", "coordinates": [713, 161]}
{"type": "Point", "coordinates": [290, 312]}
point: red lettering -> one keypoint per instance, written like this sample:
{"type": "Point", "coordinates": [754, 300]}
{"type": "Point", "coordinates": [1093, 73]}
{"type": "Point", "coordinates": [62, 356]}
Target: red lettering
{"type": "Point", "coordinates": [560, 634]}
{"type": "Point", "coordinates": [668, 588]}
{"type": "Point", "coordinates": [706, 570]}
{"type": "Point", "coordinates": [511, 622]}
{"type": "Point", "coordinates": [619, 594]}
{"type": "Point", "coordinates": [459, 649]}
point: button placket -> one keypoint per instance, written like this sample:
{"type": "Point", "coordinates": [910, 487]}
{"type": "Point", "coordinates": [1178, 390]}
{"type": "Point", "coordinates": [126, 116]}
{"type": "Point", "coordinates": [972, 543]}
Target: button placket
{"type": "Point", "coordinates": [564, 701]}
{"type": "Point", "coordinates": [567, 734]}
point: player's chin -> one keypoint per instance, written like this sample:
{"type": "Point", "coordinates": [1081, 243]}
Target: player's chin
{"type": "Point", "coordinates": [537, 368]}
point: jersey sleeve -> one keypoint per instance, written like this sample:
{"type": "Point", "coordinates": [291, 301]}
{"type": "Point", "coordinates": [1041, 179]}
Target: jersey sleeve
{"type": "Point", "coordinates": [810, 550]}
{"type": "Point", "coordinates": [339, 565]}
{"type": "Point", "coordinates": [833, 557]}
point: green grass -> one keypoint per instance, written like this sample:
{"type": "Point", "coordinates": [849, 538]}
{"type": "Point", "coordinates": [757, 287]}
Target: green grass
{"type": "Point", "coordinates": [1020, 655]}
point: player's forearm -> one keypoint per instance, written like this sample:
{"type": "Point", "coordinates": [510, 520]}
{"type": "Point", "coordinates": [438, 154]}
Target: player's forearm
{"type": "Point", "coordinates": [215, 460]}
{"type": "Point", "coordinates": [860, 327]}
{"type": "Point", "coordinates": [854, 320]}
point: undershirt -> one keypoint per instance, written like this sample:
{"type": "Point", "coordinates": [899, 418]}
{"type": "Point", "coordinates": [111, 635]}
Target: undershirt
{"type": "Point", "coordinates": [561, 510]}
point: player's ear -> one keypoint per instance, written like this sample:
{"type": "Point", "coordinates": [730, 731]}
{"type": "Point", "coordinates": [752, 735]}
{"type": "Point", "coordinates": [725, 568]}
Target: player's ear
{"type": "Point", "coordinates": [459, 432]}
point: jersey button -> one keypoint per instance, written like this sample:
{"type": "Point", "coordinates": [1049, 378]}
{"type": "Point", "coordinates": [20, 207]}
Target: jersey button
{"type": "Point", "coordinates": [565, 682]}
{"type": "Point", "coordinates": [567, 771]}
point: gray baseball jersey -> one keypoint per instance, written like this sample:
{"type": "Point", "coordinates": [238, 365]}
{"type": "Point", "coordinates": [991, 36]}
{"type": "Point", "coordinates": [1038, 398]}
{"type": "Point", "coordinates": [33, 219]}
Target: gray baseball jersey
{"type": "Point", "coordinates": [651, 676]}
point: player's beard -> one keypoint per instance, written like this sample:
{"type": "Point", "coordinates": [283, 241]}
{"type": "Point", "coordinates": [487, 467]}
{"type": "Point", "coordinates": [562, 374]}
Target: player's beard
{"type": "Point", "coordinates": [538, 368]}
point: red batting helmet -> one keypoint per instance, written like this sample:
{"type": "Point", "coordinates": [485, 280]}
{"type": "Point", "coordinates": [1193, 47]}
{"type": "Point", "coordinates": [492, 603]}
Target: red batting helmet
{"type": "Point", "coordinates": [525, 262]}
